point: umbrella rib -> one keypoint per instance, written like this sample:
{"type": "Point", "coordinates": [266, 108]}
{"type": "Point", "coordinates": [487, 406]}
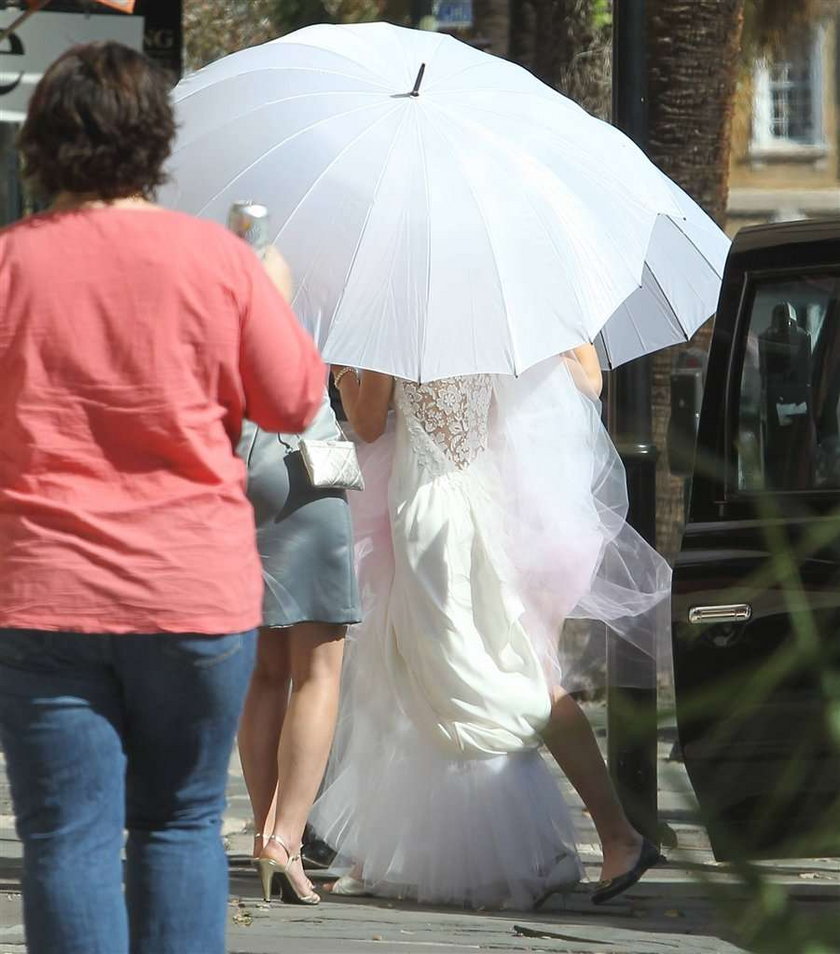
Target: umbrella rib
{"type": "Point", "coordinates": [585, 167]}
{"type": "Point", "coordinates": [466, 69]}
{"type": "Point", "coordinates": [480, 209]}
{"type": "Point", "coordinates": [421, 351]}
{"type": "Point", "coordinates": [551, 97]}
{"type": "Point", "coordinates": [632, 321]}
{"type": "Point", "coordinates": [327, 168]}
{"type": "Point", "coordinates": [364, 228]}
{"type": "Point", "coordinates": [606, 346]}
{"type": "Point", "coordinates": [232, 120]}
{"type": "Point", "coordinates": [426, 56]}
{"type": "Point", "coordinates": [320, 49]}
{"type": "Point", "coordinates": [665, 298]}
{"type": "Point", "coordinates": [695, 245]}
{"type": "Point", "coordinates": [559, 253]}
{"type": "Point", "coordinates": [585, 333]}
{"type": "Point", "coordinates": [385, 87]}
{"type": "Point", "coordinates": [550, 93]}
{"type": "Point", "coordinates": [279, 145]}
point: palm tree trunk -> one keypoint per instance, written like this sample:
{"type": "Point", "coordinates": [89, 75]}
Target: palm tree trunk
{"type": "Point", "coordinates": [693, 65]}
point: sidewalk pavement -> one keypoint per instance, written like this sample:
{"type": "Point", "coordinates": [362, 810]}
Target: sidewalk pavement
{"type": "Point", "coordinates": [669, 911]}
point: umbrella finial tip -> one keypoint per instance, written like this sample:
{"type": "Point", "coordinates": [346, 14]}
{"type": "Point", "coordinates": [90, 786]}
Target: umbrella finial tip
{"type": "Point", "coordinates": [419, 80]}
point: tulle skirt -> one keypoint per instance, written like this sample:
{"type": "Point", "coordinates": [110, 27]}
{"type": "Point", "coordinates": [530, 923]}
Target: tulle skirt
{"type": "Point", "coordinates": [476, 833]}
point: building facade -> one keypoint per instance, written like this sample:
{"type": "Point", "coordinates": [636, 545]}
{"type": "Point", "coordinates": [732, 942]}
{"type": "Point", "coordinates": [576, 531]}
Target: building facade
{"type": "Point", "coordinates": [786, 138]}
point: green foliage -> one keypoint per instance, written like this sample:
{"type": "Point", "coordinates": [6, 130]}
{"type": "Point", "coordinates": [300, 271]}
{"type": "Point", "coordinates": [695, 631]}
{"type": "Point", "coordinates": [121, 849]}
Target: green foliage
{"type": "Point", "coordinates": [601, 15]}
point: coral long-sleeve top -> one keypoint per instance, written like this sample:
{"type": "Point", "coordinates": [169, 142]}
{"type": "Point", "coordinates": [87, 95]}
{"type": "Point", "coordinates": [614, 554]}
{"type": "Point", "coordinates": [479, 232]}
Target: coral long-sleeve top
{"type": "Point", "coordinates": [132, 344]}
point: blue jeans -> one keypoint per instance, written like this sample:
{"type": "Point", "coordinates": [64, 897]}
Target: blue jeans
{"type": "Point", "coordinates": [104, 733]}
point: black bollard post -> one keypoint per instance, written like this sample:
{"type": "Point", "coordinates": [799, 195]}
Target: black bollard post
{"type": "Point", "coordinates": [631, 674]}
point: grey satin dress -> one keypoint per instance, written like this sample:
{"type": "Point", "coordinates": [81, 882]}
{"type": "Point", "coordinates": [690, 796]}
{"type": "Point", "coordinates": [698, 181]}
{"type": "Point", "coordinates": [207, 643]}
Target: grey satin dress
{"type": "Point", "coordinates": [304, 533]}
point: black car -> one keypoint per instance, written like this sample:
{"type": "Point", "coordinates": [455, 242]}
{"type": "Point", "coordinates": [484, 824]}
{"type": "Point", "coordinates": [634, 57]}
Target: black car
{"type": "Point", "coordinates": [756, 592]}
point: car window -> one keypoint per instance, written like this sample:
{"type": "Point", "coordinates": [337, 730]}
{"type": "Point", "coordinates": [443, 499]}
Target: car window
{"type": "Point", "coordinates": [789, 408]}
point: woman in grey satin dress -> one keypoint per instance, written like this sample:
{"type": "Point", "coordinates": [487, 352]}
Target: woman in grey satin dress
{"type": "Point", "coordinates": [305, 541]}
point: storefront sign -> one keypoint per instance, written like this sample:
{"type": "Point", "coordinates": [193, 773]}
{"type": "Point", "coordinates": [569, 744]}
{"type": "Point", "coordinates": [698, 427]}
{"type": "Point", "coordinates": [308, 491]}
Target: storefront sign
{"type": "Point", "coordinates": [164, 36]}
{"type": "Point", "coordinates": [25, 54]}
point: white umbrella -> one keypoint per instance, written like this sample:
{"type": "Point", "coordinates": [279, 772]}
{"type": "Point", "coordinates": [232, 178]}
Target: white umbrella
{"type": "Point", "coordinates": [443, 211]}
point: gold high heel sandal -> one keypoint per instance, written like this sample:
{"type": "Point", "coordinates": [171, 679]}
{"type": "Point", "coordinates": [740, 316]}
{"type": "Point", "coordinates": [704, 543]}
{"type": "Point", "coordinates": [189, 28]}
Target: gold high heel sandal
{"type": "Point", "coordinates": [256, 858]}
{"type": "Point", "coordinates": [269, 869]}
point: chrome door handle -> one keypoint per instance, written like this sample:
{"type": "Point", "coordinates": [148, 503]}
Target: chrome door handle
{"type": "Point", "coordinates": [726, 613]}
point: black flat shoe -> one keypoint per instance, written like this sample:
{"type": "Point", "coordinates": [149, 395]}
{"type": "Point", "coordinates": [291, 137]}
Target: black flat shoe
{"type": "Point", "coordinates": [612, 887]}
{"type": "Point", "coordinates": [317, 855]}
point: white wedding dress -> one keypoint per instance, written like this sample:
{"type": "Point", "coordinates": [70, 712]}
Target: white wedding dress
{"type": "Point", "coordinates": [437, 790]}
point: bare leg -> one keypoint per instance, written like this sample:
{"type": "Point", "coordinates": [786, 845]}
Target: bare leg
{"type": "Point", "coordinates": [315, 652]}
{"type": "Point", "coordinates": [260, 726]}
{"type": "Point", "coordinates": [570, 739]}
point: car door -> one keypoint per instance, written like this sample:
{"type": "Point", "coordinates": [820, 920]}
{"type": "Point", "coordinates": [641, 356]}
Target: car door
{"type": "Point", "coordinates": [756, 591]}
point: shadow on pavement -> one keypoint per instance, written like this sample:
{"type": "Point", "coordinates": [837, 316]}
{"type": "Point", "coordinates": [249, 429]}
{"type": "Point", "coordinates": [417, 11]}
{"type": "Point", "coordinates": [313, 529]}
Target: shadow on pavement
{"type": "Point", "coordinates": [654, 905]}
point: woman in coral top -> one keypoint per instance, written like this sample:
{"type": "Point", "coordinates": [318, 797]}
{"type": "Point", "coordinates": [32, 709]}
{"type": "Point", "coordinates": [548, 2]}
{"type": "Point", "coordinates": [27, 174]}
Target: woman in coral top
{"type": "Point", "coordinates": [133, 342]}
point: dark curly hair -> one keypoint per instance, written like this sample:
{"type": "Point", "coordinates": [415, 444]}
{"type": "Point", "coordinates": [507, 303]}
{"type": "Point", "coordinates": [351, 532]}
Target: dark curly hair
{"type": "Point", "coordinates": [100, 124]}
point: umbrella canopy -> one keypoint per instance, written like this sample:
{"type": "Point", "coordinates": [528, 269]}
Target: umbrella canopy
{"type": "Point", "coordinates": [443, 211]}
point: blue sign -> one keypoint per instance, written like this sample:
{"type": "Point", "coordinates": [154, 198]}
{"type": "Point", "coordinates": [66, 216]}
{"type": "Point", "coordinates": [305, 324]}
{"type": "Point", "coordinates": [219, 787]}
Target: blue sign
{"type": "Point", "coordinates": [454, 14]}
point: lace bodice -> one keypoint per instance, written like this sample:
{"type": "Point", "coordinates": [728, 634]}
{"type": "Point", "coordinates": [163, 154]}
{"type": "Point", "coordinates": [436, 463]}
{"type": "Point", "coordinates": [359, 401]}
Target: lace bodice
{"type": "Point", "coordinates": [447, 420]}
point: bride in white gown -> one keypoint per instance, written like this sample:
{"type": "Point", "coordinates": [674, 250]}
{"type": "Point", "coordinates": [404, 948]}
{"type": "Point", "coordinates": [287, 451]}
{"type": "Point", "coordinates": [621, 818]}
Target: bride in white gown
{"type": "Point", "coordinates": [437, 789]}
